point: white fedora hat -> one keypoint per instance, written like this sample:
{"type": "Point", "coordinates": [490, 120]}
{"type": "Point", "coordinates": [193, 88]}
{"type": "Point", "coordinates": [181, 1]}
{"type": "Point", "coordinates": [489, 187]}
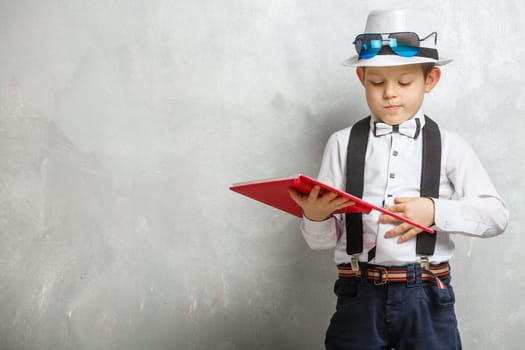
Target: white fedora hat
{"type": "Point", "coordinates": [400, 21]}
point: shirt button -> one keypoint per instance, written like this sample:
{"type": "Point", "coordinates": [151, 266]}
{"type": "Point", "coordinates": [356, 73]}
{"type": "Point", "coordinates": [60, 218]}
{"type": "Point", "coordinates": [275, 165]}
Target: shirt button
{"type": "Point", "coordinates": [392, 175]}
{"type": "Point", "coordinates": [395, 153]}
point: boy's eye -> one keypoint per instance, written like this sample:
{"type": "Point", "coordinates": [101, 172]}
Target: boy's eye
{"type": "Point", "coordinates": [376, 83]}
{"type": "Point", "coordinates": [405, 83]}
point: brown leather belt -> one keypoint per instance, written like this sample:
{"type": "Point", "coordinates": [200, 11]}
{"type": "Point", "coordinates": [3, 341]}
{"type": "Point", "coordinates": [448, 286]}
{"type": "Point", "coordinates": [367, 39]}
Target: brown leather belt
{"type": "Point", "coordinates": [381, 275]}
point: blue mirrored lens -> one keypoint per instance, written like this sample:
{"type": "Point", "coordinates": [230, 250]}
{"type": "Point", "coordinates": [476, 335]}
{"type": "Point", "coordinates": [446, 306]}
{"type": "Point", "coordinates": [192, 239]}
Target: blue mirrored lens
{"type": "Point", "coordinates": [404, 44]}
{"type": "Point", "coordinates": [405, 51]}
{"type": "Point", "coordinates": [370, 50]}
{"type": "Point", "coordinates": [376, 44]}
{"type": "Point", "coordinates": [368, 45]}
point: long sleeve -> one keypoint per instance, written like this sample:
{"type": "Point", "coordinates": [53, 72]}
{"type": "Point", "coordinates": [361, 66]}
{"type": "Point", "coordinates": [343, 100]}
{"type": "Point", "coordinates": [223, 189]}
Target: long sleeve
{"type": "Point", "coordinates": [468, 203]}
{"type": "Point", "coordinates": [326, 234]}
{"type": "Point", "coordinates": [475, 208]}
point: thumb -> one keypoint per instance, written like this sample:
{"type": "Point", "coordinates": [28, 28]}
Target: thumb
{"type": "Point", "coordinates": [296, 195]}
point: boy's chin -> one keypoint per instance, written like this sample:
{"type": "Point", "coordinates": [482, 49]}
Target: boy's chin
{"type": "Point", "coordinates": [393, 119]}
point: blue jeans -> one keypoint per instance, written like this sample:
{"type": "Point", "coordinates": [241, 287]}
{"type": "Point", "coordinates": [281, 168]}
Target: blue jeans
{"type": "Point", "coordinates": [398, 315]}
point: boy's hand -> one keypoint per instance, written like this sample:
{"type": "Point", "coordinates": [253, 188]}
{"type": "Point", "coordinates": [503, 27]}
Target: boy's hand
{"type": "Point", "coordinates": [419, 209]}
{"type": "Point", "coordinates": [318, 207]}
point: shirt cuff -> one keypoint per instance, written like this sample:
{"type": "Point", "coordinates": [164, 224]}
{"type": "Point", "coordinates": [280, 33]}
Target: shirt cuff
{"type": "Point", "coordinates": [318, 227]}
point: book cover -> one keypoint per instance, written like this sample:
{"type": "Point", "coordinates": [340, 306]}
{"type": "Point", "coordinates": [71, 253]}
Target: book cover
{"type": "Point", "coordinates": [274, 192]}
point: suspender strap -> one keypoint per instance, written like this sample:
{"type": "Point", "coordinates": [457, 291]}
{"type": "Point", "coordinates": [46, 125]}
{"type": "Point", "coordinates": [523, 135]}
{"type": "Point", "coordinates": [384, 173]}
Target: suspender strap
{"type": "Point", "coordinates": [355, 171]}
{"type": "Point", "coordinates": [430, 175]}
{"type": "Point", "coordinates": [355, 165]}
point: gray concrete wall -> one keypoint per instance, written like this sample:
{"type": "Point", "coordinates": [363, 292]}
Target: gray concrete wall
{"type": "Point", "coordinates": [122, 124]}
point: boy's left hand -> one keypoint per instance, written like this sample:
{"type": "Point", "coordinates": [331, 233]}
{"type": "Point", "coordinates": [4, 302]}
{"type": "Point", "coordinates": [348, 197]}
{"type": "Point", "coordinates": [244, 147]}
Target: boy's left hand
{"type": "Point", "coordinates": [418, 209]}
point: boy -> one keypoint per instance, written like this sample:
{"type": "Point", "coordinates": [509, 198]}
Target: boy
{"type": "Point", "coordinates": [394, 290]}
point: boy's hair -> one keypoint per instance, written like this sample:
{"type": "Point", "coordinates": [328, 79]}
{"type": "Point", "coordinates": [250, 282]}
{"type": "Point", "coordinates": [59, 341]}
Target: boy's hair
{"type": "Point", "coordinates": [427, 68]}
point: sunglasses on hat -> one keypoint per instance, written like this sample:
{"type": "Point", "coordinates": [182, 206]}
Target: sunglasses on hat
{"type": "Point", "coordinates": [405, 44]}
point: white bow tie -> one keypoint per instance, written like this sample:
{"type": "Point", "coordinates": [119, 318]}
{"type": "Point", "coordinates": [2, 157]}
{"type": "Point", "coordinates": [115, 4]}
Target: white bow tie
{"type": "Point", "coordinates": [410, 128]}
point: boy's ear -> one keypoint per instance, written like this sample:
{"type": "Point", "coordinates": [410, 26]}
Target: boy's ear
{"type": "Point", "coordinates": [360, 71]}
{"type": "Point", "coordinates": [432, 79]}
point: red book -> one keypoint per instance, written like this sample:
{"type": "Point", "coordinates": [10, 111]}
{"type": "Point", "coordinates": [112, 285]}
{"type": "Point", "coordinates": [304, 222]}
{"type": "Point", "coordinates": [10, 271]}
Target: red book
{"type": "Point", "coordinates": [274, 192]}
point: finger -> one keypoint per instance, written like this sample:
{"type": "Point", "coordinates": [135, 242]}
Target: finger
{"type": "Point", "coordinates": [398, 230]}
{"type": "Point", "coordinates": [411, 233]}
{"type": "Point", "coordinates": [396, 208]}
{"type": "Point", "coordinates": [330, 196]}
{"type": "Point", "coordinates": [338, 200]}
{"type": "Point", "coordinates": [387, 218]}
{"type": "Point", "coordinates": [401, 200]}
{"type": "Point", "coordinates": [348, 203]}
{"type": "Point", "coordinates": [344, 204]}
{"type": "Point", "coordinates": [314, 193]}
{"type": "Point", "coordinates": [296, 195]}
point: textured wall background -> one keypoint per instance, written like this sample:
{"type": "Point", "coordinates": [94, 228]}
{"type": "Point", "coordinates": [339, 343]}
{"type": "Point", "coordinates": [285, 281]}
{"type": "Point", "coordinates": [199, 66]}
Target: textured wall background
{"type": "Point", "coordinates": [122, 124]}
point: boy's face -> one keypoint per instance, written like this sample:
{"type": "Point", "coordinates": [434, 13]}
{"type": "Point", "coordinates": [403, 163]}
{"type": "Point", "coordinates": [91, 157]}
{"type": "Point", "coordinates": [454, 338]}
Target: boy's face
{"type": "Point", "coordinates": [395, 94]}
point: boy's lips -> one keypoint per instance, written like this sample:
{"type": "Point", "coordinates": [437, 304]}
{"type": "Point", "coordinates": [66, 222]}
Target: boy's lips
{"type": "Point", "coordinates": [392, 107]}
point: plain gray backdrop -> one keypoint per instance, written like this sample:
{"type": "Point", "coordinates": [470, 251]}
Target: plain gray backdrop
{"type": "Point", "coordinates": [123, 123]}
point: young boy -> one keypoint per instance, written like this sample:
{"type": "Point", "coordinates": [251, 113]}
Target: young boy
{"type": "Point", "coordinates": [394, 290]}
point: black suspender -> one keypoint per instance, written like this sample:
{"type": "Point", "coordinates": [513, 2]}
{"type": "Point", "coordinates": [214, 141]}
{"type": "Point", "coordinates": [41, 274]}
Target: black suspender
{"type": "Point", "coordinates": [355, 165]}
{"type": "Point", "coordinates": [355, 173]}
{"type": "Point", "coordinates": [430, 175]}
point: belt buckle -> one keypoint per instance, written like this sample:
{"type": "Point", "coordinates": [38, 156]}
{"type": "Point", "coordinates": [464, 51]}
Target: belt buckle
{"type": "Point", "coordinates": [383, 276]}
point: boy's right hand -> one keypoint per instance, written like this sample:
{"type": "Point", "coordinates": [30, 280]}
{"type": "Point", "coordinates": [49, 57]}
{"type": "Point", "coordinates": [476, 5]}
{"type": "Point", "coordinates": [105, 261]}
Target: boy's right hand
{"type": "Point", "coordinates": [319, 207]}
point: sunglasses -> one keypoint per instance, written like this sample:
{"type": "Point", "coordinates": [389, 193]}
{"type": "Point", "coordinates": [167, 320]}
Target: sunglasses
{"type": "Point", "coordinates": [405, 44]}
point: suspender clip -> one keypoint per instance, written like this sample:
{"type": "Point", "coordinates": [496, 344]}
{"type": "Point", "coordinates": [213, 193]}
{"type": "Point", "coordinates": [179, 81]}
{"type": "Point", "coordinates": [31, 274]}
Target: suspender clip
{"type": "Point", "coordinates": [354, 261]}
{"type": "Point", "coordinates": [425, 265]}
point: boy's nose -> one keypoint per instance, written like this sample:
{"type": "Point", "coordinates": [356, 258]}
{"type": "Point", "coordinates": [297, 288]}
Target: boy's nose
{"type": "Point", "coordinates": [389, 91]}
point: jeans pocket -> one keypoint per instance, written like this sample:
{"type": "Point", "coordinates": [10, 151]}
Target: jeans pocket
{"type": "Point", "coordinates": [442, 298]}
{"type": "Point", "coordinates": [346, 290]}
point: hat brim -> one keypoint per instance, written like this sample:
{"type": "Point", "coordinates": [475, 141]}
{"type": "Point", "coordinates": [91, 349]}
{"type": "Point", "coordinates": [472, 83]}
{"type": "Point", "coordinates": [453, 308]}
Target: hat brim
{"type": "Point", "coordinates": [392, 60]}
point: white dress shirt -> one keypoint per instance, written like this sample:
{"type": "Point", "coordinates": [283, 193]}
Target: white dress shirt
{"type": "Point", "coordinates": [468, 202]}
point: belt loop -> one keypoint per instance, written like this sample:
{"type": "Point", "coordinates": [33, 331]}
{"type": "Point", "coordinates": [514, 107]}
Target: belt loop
{"type": "Point", "coordinates": [418, 274]}
{"type": "Point", "coordinates": [364, 274]}
{"type": "Point", "coordinates": [411, 276]}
